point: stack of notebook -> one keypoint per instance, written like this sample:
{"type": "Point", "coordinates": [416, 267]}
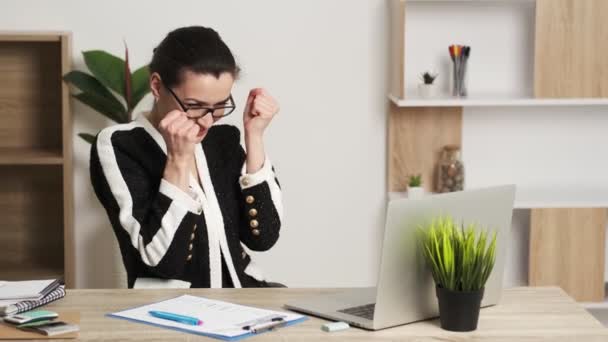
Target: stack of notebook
{"type": "Point", "coordinates": [21, 296]}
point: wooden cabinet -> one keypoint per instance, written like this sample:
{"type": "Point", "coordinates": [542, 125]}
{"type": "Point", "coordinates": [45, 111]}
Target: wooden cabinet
{"type": "Point", "coordinates": [35, 157]}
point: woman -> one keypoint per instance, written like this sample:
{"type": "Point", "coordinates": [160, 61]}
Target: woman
{"type": "Point", "coordinates": [180, 192]}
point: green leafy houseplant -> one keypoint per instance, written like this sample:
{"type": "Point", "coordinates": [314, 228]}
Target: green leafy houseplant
{"type": "Point", "coordinates": [112, 90]}
{"type": "Point", "coordinates": [427, 89]}
{"type": "Point", "coordinates": [415, 189]}
{"type": "Point", "coordinates": [415, 181]}
{"type": "Point", "coordinates": [461, 261]}
{"type": "Point", "coordinates": [428, 77]}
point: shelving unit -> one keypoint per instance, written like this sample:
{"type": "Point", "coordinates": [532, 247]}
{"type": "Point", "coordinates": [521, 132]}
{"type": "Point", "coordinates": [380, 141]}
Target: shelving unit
{"type": "Point", "coordinates": [30, 156]}
{"type": "Point", "coordinates": [528, 57]}
{"type": "Point", "coordinates": [35, 157]}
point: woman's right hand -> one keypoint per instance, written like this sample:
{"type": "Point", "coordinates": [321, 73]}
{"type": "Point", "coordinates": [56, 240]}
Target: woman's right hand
{"type": "Point", "coordinates": [180, 135]}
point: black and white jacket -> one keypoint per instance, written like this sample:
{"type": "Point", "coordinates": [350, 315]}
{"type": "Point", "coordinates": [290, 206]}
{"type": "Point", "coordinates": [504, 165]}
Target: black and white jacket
{"type": "Point", "coordinates": [166, 233]}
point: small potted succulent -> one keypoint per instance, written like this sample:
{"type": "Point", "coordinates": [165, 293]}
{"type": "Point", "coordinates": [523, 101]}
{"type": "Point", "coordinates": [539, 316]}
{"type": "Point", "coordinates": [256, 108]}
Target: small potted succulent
{"type": "Point", "coordinates": [414, 186]}
{"type": "Point", "coordinates": [426, 89]}
{"type": "Point", "coordinates": [461, 260]}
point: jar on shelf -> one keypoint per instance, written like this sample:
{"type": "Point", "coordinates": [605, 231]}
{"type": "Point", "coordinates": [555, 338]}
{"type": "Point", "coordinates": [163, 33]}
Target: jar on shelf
{"type": "Point", "coordinates": [450, 170]}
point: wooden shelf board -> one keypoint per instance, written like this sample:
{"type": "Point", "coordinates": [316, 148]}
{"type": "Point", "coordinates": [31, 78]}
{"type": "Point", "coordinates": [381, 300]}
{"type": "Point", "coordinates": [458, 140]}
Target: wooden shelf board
{"type": "Point", "coordinates": [25, 273]}
{"type": "Point", "coordinates": [30, 36]}
{"type": "Point", "coordinates": [29, 156]}
{"type": "Point", "coordinates": [496, 101]}
{"type": "Point", "coordinates": [528, 199]}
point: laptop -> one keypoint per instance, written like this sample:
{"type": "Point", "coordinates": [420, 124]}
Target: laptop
{"type": "Point", "coordinates": [405, 290]}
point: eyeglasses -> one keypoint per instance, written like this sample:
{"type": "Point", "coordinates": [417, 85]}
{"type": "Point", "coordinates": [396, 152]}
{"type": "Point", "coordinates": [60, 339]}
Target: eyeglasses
{"type": "Point", "coordinates": [196, 112]}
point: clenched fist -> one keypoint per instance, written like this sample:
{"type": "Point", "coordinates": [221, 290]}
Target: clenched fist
{"type": "Point", "coordinates": [181, 135]}
{"type": "Point", "coordinates": [259, 111]}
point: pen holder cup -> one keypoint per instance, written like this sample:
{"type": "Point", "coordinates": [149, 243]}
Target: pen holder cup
{"type": "Point", "coordinates": [459, 84]}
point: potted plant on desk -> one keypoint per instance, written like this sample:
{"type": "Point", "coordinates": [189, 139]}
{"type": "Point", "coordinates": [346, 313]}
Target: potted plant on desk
{"type": "Point", "coordinates": [460, 260]}
{"type": "Point", "coordinates": [414, 187]}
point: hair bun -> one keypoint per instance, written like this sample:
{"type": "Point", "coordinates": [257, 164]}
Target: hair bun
{"type": "Point", "coordinates": [194, 48]}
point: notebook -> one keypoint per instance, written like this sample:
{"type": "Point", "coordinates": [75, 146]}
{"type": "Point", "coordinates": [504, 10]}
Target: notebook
{"type": "Point", "coordinates": [221, 320]}
{"type": "Point", "coordinates": [15, 306]}
{"type": "Point", "coordinates": [27, 290]}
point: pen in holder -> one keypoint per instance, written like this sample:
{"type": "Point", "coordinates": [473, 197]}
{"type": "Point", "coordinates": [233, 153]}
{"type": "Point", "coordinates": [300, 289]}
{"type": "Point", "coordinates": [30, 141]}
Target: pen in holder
{"type": "Point", "coordinates": [460, 56]}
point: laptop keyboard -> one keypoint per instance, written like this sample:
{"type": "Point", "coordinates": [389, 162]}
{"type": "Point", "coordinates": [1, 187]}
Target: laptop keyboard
{"type": "Point", "coordinates": [365, 311]}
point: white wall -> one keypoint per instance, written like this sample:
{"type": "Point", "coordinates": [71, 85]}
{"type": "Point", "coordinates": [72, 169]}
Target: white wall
{"type": "Point", "coordinates": [326, 63]}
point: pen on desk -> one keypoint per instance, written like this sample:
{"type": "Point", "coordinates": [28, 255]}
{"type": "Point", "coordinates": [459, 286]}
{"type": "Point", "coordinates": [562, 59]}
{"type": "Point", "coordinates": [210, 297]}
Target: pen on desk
{"type": "Point", "coordinates": [276, 322]}
{"type": "Point", "coordinates": [176, 318]}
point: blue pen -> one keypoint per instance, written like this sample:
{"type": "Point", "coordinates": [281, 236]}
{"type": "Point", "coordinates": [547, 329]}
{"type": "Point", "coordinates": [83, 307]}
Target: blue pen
{"type": "Point", "coordinates": [176, 318]}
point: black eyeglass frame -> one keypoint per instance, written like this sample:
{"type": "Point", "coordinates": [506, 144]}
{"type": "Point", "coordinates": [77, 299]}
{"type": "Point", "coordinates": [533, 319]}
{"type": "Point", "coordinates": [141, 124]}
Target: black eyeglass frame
{"type": "Point", "coordinates": [227, 109]}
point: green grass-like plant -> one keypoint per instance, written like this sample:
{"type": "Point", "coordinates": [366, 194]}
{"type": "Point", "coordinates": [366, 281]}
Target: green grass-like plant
{"type": "Point", "coordinates": [415, 181]}
{"type": "Point", "coordinates": [458, 257]}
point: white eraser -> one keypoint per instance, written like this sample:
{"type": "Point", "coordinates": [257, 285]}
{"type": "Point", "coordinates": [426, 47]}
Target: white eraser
{"type": "Point", "coordinates": [335, 326]}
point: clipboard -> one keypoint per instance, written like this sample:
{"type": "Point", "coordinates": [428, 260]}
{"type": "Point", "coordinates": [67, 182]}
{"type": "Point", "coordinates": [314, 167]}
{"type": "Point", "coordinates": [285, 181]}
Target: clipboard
{"type": "Point", "coordinates": [10, 332]}
{"type": "Point", "coordinates": [221, 320]}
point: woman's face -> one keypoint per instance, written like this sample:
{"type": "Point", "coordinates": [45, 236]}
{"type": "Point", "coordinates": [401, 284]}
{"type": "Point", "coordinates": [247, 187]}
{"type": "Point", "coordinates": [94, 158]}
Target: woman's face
{"type": "Point", "coordinates": [195, 90]}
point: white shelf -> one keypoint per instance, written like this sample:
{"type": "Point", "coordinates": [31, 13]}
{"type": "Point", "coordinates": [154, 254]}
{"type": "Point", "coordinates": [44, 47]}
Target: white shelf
{"type": "Point", "coordinates": [397, 195]}
{"type": "Point", "coordinates": [596, 305]}
{"type": "Point", "coordinates": [479, 1]}
{"type": "Point", "coordinates": [583, 197]}
{"type": "Point", "coordinates": [496, 101]}
{"type": "Point", "coordinates": [540, 198]}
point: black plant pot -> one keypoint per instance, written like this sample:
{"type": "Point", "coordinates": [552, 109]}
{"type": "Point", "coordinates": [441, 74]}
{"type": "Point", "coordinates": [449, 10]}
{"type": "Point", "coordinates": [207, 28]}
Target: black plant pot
{"type": "Point", "coordinates": [459, 311]}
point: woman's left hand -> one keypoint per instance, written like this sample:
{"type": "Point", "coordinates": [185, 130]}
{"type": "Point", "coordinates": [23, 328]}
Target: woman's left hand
{"type": "Point", "coordinates": [259, 111]}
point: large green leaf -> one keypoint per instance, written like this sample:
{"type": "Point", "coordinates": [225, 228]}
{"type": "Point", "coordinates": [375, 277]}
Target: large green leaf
{"type": "Point", "coordinates": [140, 85]}
{"type": "Point", "coordinates": [107, 108]}
{"type": "Point", "coordinates": [90, 138]}
{"type": "Point", "coordinates": [91, 85]}
{"type": "Point", "coordinates": [109, 69]}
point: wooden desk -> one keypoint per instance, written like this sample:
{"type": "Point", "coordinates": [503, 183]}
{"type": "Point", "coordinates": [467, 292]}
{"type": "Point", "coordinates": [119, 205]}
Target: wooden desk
{"type": "Point", "coordinates": [525, 314]}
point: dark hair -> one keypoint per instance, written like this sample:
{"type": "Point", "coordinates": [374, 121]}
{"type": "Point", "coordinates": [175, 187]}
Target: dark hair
{"type": "Point", "coordinates": [195, 48]}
